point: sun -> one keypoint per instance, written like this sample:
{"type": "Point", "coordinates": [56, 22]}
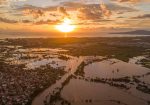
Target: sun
{"type": "Point", "coordinates": [66, 26]}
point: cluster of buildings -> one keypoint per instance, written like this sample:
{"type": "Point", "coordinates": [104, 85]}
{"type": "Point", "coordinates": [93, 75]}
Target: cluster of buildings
{"type": "Point", "coordinates": [18, 86]}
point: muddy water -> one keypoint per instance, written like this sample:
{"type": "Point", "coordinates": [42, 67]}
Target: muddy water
{"type": "Point", "coordinates": [78, 91]}
{"type": "Point", "coordinates": [53, 62]}
{"type": "Point", "coordinates": [113, 68]}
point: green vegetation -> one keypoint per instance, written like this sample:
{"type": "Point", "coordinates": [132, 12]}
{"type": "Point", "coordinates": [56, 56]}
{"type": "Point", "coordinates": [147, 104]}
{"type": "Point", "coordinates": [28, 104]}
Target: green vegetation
{"type": "Point", "coordinates": [63, 57]}
{"type": "Point", "coordinates": [143, 88]}
{"type": "Point", "coordinates": [112, 82]}
{"type": "Point", "coordinates": [57, 96]}
{"type": "Point", "coordinates": [145, 62]}
{"type": "Point", "coordinates": [120, 48]}
{"type": "Point", "coordinates": [80, 70]}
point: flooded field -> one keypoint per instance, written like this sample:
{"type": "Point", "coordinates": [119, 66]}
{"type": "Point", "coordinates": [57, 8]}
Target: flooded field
{"type": "Point", "coordinates": [57, 76]}
{"type": "Point", "coordinates": [110, 82]}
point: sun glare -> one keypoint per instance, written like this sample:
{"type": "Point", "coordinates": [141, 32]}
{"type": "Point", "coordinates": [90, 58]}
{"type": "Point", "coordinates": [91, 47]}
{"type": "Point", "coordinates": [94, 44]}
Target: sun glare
{"type": "Point", "coordinates": [66, 26]}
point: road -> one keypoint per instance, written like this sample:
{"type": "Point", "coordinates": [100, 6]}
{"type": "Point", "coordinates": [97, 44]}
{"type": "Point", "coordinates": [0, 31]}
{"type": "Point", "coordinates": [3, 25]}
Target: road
{"type": "Point", "coordinates": [72, 64]}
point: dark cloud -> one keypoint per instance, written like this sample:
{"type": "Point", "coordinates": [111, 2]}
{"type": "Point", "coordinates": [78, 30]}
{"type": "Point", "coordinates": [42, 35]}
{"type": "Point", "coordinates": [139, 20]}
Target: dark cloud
{"type": "Point", "coordinates": [36, 13]}
{"type": "Point", "coordinates": [119, 8]}
{"type": "Point", "coordinates": [5, 20]}
{"type": "Point", "coordinates": [26, 21]}
{"type": "Point", "coordinates": [110, 6]}
{"type": "Point", "coordinates": [63, 11]}
{"type": "Point", "coordinates": [49, 22]}
{"type": "Point", "coordinates": [145, 16]}
{"type": "Point", "coordinates": [89, 14]}
{"type": "Point", "coordinates": [94, 13]}
{"type": "Point", "coordinates": [51, 8]}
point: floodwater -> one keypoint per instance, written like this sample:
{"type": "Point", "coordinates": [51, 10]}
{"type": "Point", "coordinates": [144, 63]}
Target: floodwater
{"type": "Point", "coordinates": [84, 92]}
{"type": "Point", "coordinates": [53, 62]}
{"type": "Point", "coordinates": [72, 66]}
{"type": "Point", "coordinates": [78, 91]}
{"type": "Point", "coordinates": [81, 90]}
{"type": "Point", "coordinates": [113, 68]}
{"type": "Point", "coordinates": [37, 57]}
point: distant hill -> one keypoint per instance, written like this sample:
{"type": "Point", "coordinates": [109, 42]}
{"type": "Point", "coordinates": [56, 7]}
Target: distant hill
{"type": "Point", "coordinates": [136, 32]}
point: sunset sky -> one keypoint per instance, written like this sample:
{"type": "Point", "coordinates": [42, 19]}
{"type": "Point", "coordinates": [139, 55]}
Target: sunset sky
{"type": "Point", "coordinates": [43, 15]}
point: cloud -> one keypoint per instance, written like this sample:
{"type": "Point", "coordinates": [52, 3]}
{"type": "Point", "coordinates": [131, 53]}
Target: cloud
{"type": "Point", "coordinates": [89, 14]}
{"type": "Point", "coordinates": [5, 20]}
{"type": "Point", "coordinates": [85, 11]}
{"type": "Point", "coordinates": [105, 10]}
{"type": "Point", "coordinates": [26, 21]}
{"type": "Point", "coordinates": [93, 13]}
{"type": "Point", "coordinates": [120, 8]}
{"type": "Point", "coordinates": [73, 4]}
{"type": "Point", "coordinates": [36, 13]}
{"type": "Point", "coordinates": [63, 11]}
{"type": "Point", "coordinates": [145, 16]}
{"type": "Point", "coordinates": [3, 2]}
{"type": "Point", "coordinates": [110, 6]}
{"type": "Point", "coordinates": [49, 22]}
{"type": "Point", "coordinates": [132, 1]}
{"type": "Point", "coordinates": [24, 7]}
{"type": "Point", "coordinates": [6, 2]}
{"type": "Point", "coordinates": [128, 0]}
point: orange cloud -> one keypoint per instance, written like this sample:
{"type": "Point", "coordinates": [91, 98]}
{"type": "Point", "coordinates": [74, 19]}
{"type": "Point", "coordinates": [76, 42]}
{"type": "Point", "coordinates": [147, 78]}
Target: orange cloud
{"type": "Point", "coordinates": [105, 10]}
{"type": "Point", "coordinates": [36, 13]}
{"type": "Point", "coordinates": [94, 13]}
{"type": "Point", "coordinates": [5, 20]}
{"type": "Point", "coordinates": [63, 11]}
{"type": "Point", "coordinates": [88, 14]}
